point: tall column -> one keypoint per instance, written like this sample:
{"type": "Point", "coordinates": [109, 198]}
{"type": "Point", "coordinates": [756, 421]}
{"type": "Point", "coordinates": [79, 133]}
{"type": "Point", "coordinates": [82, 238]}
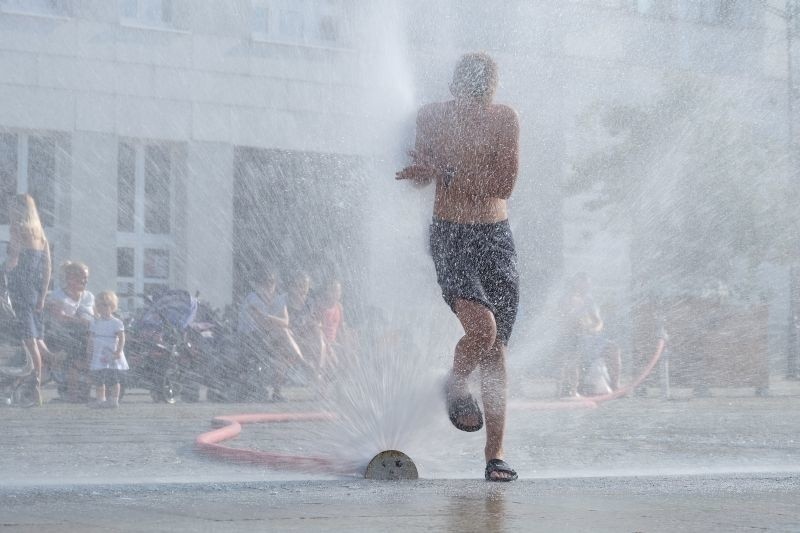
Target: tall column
{"type": "Point", "coordinates": [793, 352]}
{"type": "Point", "coordinates": [93, 208]}
{"type": "Point", "coordinates": [207, 250]}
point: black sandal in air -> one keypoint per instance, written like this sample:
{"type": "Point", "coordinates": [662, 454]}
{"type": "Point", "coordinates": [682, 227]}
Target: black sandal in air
{"type": "Point", "coordinates": [457, 408]}
{"type": "Point", "coordinates": [498, 465]}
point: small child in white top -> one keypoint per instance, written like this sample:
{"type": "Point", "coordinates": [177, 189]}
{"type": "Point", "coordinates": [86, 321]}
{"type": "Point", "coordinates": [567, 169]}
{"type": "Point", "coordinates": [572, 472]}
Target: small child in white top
{"type": "Point", "coordinates": [106, 344]}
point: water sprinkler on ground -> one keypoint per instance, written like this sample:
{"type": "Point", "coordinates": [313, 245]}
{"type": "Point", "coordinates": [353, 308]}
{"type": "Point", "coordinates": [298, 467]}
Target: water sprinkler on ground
{"type": "Point", "coordinates": [391, 465]}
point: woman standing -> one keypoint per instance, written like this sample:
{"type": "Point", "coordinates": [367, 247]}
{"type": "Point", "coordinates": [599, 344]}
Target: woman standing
{"type": "Point", "coordinates": [28, 268]}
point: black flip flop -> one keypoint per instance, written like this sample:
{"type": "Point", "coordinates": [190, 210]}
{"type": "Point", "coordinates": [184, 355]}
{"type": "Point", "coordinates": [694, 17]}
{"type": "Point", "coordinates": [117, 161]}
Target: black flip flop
{"type": "Point", "coordinates": [498, 465]}
{"type": "Point", "coordinates": [457, 408]}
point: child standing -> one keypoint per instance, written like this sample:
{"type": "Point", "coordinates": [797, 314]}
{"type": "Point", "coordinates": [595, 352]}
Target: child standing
{"type": "Point", "coordinates": [106, 344]}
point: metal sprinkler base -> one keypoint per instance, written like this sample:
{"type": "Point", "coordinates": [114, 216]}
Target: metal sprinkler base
{"type": "Point", "coordinates": [391, 465]}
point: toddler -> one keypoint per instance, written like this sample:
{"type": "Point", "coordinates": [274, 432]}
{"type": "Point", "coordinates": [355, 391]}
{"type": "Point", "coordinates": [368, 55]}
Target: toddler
{"type": "Point", "coordinates": [106, 343]}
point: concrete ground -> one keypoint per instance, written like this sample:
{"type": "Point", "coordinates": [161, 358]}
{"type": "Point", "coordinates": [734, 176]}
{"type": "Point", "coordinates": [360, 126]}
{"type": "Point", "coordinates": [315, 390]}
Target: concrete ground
{"type": "Point", "coordinates": [726, 463]}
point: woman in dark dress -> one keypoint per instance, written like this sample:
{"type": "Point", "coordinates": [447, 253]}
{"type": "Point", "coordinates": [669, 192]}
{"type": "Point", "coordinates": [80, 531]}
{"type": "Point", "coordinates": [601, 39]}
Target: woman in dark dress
{"type": "Point", "coordinates": [28, 269]}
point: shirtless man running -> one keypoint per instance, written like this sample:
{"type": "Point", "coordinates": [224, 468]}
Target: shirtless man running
{"type": "Point", "coordinates": [469, 147]}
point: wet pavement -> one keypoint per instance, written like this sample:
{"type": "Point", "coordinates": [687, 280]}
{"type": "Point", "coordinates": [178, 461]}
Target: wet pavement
{"type": "Point", "coordinates": [726, 463]}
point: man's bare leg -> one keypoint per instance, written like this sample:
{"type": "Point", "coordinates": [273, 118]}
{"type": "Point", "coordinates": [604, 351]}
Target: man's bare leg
{"type": "Point", "coordinates": [479, 336]}
{"type": "Point", "coordinates": [493, 392]}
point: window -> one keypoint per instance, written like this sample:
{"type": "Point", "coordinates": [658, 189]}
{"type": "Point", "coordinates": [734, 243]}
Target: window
{"type": "Point", "coordinates": [28, 164]}
{"type": "Point", "coordinates": [156, 13]}
{"type": "Point", "coordinates": [656, 8]}
{"type": "Point", "coordinates": [614, 4]}
{"type": "Point", "coordinates": [728, 12]}
{"type": "Point", "coordinates": [38, 7]}
{"type": "Point", "coordinates": [156, 189]}
{"type": "Point", "coordinates": [319, 22]}
{"type": "Point", "coordinates": [145, 199]}
{"type": "Point", "coordinates": [126, 187]}
{"type": "Point", "coordinates": [125, 262]}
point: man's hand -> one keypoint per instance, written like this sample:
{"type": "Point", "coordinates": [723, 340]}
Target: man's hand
{"type": "Point", "coordinates": [417, 173]}
{"type": "Point", "coordinates": [421, 170]}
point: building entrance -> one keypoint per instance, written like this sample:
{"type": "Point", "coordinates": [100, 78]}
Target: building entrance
{"type": "Point", "coordinates": [297, 210]}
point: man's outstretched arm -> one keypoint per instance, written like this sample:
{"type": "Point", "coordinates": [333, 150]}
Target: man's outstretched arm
{"type": "Point", "coordinates": [422, 169]}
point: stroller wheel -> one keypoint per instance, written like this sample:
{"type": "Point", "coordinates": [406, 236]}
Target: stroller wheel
{"type": "Point", "coordinates": [165, 388]}
{"type": "Point", "coordinates": [25, 396]}
{"type": "Point", "coordinates": [165, 394]}
{"type": "Point", "coordinates": [170, 391]}
{"type": "Point", "coordinates": [169, 396]}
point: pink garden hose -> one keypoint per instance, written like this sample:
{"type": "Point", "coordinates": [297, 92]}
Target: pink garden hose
{"type": "Point", "coordinates": [229, 426]}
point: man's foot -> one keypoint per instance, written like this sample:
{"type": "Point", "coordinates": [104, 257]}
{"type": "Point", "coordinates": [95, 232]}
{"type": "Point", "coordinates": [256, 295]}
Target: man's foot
{"type": "Point", "coordinates": [96, 404]}
{"type": "Point", "coordinates": [463, 410]}
{"type": "Point", "coordinates": [499, 470]}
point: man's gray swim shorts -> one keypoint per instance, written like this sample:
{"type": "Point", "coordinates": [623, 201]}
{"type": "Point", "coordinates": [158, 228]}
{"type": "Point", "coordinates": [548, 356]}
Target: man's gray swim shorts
{"type": "Point", "coordinates": [478, 262]}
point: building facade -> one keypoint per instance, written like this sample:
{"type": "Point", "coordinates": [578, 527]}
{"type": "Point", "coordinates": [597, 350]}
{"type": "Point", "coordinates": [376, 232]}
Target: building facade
{"type": "Point", "coordinates": [184, 143]}
{"type": "Point", "coordinates": [141, 127]}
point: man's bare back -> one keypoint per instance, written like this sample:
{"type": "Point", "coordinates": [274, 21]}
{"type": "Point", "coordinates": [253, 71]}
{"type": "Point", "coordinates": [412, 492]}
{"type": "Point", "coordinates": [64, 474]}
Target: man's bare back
{"type": "Point", "coordinates": [470, 148]}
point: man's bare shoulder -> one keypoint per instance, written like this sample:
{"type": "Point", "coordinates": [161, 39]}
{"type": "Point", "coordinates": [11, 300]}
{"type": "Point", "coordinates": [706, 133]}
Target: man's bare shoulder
{"type": "Point", "coordinates": [433, 110]}
{"type": "Point", "coordinates": [504, 112]}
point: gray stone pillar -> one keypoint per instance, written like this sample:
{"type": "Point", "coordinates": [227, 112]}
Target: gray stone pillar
{"type": "Point", "coordinates": [208, 247]}
{"type": "Point", "coordinates": [93, 209]}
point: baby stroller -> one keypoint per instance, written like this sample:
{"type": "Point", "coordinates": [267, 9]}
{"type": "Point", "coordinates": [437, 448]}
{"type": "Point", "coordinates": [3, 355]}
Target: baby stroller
{"type": "Point", "coordinates": [159, 353]}
{"type": "Point", "coordinates": [17, 380]}
{"type": "Point", "coordinates": [210, 338]}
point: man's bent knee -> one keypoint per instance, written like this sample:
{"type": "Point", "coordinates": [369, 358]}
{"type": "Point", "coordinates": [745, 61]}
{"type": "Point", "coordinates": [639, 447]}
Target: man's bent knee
{"type": "Point", "coordinates": [479, 324]}
{"type": "Point", "coordinates": [484, 335]}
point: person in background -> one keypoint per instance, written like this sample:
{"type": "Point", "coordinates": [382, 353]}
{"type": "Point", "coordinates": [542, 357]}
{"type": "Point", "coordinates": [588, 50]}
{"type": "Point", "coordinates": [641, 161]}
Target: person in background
{"type": "Point", "coordinates": [264, 329]}
{"type": "Point", "coordinates": [70, 310]}
{"type": "Point", "coordinates": [583, 346]}
{"type": "Point", "coordinates": [331, 315]}
{"type": "Point", "coordinates": [28, 268]}
{"type": "Point", "coordinates": [106, 350]}
{"type": "Point", "coordinates": [304, 323]}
